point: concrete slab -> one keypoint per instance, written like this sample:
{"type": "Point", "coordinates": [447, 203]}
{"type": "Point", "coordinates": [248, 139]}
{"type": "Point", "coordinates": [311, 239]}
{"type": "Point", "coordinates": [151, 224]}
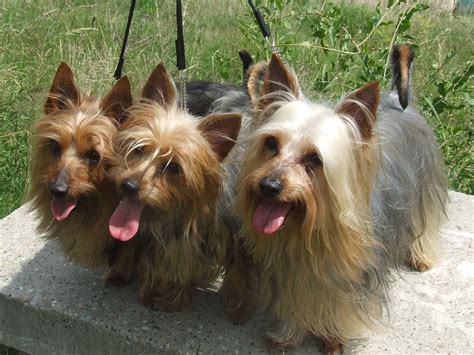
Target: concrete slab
{"type": "Point", "coordinates": [48, 305]}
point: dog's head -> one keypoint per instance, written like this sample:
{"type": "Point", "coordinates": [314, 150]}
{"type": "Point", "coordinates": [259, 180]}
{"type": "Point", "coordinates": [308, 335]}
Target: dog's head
{"type": "Point", "coordinates": [73, 142]}
{"type": "Point", "coordinates": [307, 171]}
{"type": "Point", "coordinates": [167, 160]}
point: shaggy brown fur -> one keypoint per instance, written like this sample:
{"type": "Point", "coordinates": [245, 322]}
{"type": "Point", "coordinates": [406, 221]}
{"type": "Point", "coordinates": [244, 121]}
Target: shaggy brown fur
{"type": "Point", "coordinates": [306, 201]}
{"type": "Point", "coordinates": [72, 148]}
{"type": "Point", "coordinates": [169, 165]}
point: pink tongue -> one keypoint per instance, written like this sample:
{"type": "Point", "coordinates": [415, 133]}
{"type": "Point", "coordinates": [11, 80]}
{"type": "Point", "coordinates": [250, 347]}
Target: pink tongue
{"type": "Point", "coordinates": [124, 223]}
{"type": "Point", "coordinates": [269, 216]}
{"type": "Point", "coordinates": [61, 207]}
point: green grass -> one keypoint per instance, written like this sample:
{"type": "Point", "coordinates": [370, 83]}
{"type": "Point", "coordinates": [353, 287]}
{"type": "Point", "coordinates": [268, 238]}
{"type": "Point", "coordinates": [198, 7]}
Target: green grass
{"type": "Point", "coordinates": [37, 35]}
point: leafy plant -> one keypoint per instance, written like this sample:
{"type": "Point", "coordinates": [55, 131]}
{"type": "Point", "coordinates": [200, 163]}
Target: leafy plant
{"type": "Point", "coordinates": [336, 48]}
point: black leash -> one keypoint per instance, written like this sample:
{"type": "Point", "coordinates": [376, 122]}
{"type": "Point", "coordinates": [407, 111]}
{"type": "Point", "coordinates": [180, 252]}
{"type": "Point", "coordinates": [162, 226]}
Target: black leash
{"type": "Point", "coordinates": [261, 22]}
{"type": "Point", "coordinates": [264, 28]}
{"type": "Point", "coordinates": [118, 70]}
{"type": "Point", "coordinates": [180, 53]}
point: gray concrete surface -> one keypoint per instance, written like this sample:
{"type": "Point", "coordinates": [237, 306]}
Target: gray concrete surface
{"type": "Point", "coordinates": [49, 306]}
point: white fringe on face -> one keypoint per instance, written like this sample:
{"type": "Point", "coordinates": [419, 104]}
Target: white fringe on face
{"type": "Point", "coordinates": [379, 203]}
{"type": "Point", "coordinates": [316, 272]}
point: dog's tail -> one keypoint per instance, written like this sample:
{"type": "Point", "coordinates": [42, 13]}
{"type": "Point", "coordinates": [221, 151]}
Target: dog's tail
{"type": "Point", "coordinates": [401, 58]}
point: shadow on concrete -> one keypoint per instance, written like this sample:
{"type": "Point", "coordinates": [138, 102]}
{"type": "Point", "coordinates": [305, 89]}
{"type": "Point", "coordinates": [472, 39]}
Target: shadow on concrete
{"type": "Point", "coordinates": [49, 305]}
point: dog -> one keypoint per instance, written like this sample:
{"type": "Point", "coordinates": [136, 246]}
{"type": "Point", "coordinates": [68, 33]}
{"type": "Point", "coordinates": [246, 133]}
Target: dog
{"type": "Point", "coordinates": [333, 200]}
{"type": "Point", "coordinates": [204, 96]}
{"type": "Point", "coordinates": [173, 223]}
{"type": "Point", "coordinates": [72, 147]}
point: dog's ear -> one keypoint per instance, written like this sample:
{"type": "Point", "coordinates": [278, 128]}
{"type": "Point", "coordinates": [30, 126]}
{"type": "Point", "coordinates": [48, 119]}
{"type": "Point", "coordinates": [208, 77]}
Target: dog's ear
{"type": "Point", "coordinates": [63, 90]}
{"type": "Point", "coordinates": [361, 105]}
{"type": "Point", "coordinates": [118, 100]}
{"type": "Point", "coordinates": [160, 87]}
{"type": "Point", "coordinates": [247, 62]}
{"type": "Point", "coordinates": [278, 78]}
{"type": "Point", "coordinates": [254, 80]}
{"type": "Point", "coordinates": [221, 131]}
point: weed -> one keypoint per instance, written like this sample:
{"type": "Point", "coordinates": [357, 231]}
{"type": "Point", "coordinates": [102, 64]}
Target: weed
{"type": "Point", "coordinates": [333, 48]}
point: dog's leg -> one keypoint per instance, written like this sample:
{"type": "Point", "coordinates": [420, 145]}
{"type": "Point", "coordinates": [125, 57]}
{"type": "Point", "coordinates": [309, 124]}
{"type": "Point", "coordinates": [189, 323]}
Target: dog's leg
{"type": "Point", "coordinates": [240, 291]}
{"type": "Point", "coordinates": [121, 265]}
{"type": "Point", "coordinates": [175, 297]}
{"type": "Point", "coordinates": [331, 346]}
{"type": "Point", "coordinates": [424, 250]}
{"type": "Point", "coordinates": [284, 336]}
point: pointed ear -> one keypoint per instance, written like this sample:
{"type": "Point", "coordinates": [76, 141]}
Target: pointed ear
{"type": "Point", "coordinates": [63, 89]}
{"type": "Point", "coordinates": [362, 106]}
{"type": "Point", "coordinates": [279, 78]}
{"type": "Point", "coordinates": [254, 81]}
{"type": "Point", "coordinates": [118, 100]}
{"type": "Point", "coordinates": [221, 131]}
{"type": "Point", "coordinates": [160, 87]}
{"type": "Point", "coordinates": [247, 62]}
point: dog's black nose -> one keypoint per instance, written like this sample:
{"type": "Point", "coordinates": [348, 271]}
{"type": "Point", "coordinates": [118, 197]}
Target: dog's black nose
{"type": "Point", "coordinates": [270, 187]}
{"type": "Point", "coordinates": [58, 188]}
{"type": "Point", "coordinates": [130, 187]}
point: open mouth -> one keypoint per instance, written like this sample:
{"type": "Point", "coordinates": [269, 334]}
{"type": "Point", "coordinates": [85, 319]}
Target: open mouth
{"type": "Point", "coordinates": [61, 207]}
{"type": "Point", "coordinates": [270, 216]}
{"type": "Point", "coordinates": [124, 223]}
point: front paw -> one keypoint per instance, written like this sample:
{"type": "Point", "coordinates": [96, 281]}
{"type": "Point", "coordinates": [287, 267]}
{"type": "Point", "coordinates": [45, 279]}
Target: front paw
{"type": "Point", "coordinates": [172, 298]}
{"type": "Point", "coordinates": [115, 279]}
{"type": "Point", "coordinates": [275, 346]}
{"type": "Point", "coordinates": [331, 347]}
{"type": "Point", "coordinates": [418, 265]}
{"type": "Point", "coordinates": [149, 300]}
{"type": "Point", "coordinates": [284, 336]}
{"type": "Point", "coordinates": [241, 313]}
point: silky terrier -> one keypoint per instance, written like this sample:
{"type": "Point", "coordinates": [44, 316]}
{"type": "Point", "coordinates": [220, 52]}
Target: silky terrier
{"type": "Point", "coordinates": [333, 199]}
{"type": "Point", "coordinates": [71, 152]}
{"type": "Point", "coordinates": [173, 221]}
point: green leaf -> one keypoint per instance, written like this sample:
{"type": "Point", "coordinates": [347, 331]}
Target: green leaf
{"type": "Point", "coordinates": [469, 99]}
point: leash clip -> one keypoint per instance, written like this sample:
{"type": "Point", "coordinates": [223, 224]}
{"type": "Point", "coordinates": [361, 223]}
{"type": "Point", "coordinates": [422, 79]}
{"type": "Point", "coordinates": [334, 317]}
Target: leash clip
{"type": "Point", "coordinates": [272, 44]}
{"type": "Point", "coordinates": [182, 89]}
{"type": "Point", "coordinates": [180, 55]}
{"type": "Point", "coordinates": [265, 29]}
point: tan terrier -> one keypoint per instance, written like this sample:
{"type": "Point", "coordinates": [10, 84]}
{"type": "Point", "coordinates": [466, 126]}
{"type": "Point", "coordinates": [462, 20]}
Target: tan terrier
{"type": "Point", "coordinates": [71, 151]}
{"type": "Point", "coordinates": [173, 218]}
{"type": "Point", "coordinates": [333, 199]}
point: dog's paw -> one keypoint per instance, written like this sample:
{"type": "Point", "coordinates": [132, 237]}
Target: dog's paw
{"type": "Point", "coordinates": [113, 279]}
{"type": "Point", "coordinates": [241, 314]}
{"type": "Point", "coordinates": [331, 347]}
{"type": "Point", "coordinates": [149, 300]}
{"type": "Point", "coordinates": [275, 346]}
{"type": "Point", "coordinates": [418, 265]}
{"type": "Point", "coordinates": [175, 299]}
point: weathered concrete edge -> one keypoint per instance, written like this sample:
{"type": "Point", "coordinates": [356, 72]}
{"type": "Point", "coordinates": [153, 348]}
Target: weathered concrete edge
{"type": "Point", "coordinates": [50, 332]}
{"type": "Point", "coordinates": [47, 331]}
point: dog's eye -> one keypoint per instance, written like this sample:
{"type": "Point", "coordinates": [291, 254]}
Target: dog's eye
{"type": "Point", "coordinates": [173, 168]}
{"type": "Point", "coordinates": [272, 144]}
{"type": "Point", "coordinates": [312, 160]}
{"type": "Point", "coordinates": [55, 148]}
{"type": "Point", "coordinates": [92, 156]}
{"type": "Point", "coordinates": [138, 151]}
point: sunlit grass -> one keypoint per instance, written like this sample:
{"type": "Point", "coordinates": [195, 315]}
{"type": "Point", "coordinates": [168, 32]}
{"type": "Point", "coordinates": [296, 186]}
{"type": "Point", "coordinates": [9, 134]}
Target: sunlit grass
{"type": "Point", "coordinates": [37, 35]}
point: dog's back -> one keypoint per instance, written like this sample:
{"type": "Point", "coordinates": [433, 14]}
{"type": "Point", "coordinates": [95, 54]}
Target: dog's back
{"type": "Point", "coordinates": [411, 188]}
